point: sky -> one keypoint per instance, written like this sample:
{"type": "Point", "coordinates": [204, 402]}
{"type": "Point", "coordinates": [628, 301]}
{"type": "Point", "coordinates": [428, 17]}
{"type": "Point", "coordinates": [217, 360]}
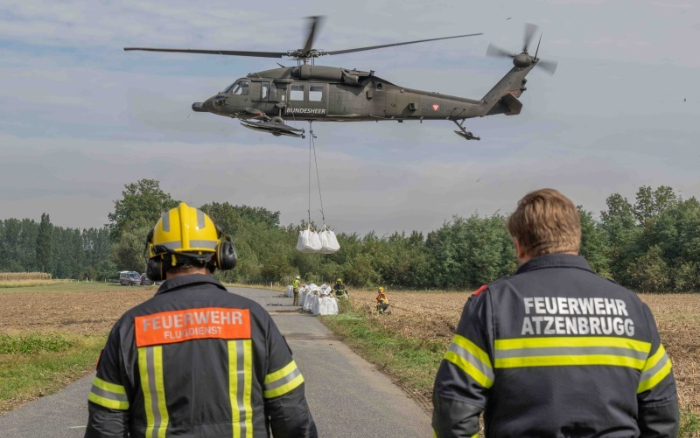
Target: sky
{"type": "Point", "coordinates": [80, 118]}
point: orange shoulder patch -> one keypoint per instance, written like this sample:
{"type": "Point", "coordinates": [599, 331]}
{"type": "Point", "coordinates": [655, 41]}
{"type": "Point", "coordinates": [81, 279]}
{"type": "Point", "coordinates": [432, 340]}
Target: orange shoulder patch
{"type": "Point", "coordinates": [188, 324]}
{"type": "Point", "coordinates": [480, 290]}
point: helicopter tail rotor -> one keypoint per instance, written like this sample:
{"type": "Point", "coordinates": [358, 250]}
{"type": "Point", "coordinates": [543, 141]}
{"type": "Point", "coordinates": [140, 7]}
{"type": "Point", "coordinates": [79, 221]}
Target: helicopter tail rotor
{"type": "Point", "coordinates": [524, 59]}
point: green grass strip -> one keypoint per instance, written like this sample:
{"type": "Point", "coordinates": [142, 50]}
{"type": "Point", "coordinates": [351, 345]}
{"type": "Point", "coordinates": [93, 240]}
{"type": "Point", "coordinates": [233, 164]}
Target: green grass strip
{"type": "Point", "coordinates": [35, 365]}
{"type": "Point", "coordinates": [411, 362]}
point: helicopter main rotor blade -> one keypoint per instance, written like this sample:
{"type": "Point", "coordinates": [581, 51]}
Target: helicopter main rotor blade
{"type": "Point", "coordinates": [214, 52]}
{"type": "Point", "coordinates": [530, 30]}
{"type": "Point", "coordinates": [361, 49]}
{"type": "Point", "coordinates": [314, 25]}
{"type": "Point", "coordinates": [548, 66]}
{"type": "Point", "coordinates": [497, 51]}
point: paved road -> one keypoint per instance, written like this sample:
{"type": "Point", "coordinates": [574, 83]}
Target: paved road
{"type": "Point", "coordinates": [347, 395]}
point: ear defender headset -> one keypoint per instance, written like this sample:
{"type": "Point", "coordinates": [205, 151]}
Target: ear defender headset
{"type": "Point", "coordinates": [161, 240]}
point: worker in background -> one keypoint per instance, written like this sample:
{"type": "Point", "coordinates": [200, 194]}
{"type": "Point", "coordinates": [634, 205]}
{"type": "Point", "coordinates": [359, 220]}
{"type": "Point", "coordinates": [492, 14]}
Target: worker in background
{"type": "Point", "coordinates": [554, 350]}
{"type": "Point", "coordinates": [382, 301]}
{"type": "Point", "coordinates": [196, 359]}
{"type": "Point", "coordinates": [340, 289]}
{"type": "Point", "coordinates": [295, 290]}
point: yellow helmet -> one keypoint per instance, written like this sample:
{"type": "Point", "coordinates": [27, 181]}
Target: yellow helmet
{"type": "Point", "coordinates": [381, 289]}
{"type": "Point", "coordinates": [339, 280]}
{"type": "Point", "coordinates": [184, 230]}
{"type": "Point", "coordinates": [187, 231]}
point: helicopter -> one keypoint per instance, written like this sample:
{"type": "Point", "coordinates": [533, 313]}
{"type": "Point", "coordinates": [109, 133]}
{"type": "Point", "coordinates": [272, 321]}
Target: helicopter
{"type": "Point", "coordinates": [265, 101]}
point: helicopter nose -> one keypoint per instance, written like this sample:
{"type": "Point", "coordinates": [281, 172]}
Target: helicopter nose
{"type": "Point", "coordinates": [199, 107]}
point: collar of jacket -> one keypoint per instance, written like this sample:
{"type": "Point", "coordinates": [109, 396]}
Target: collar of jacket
{"type": "Point", "coordinates": [554, 261]}
{"type": "Point", "coordinates": [188, 280]}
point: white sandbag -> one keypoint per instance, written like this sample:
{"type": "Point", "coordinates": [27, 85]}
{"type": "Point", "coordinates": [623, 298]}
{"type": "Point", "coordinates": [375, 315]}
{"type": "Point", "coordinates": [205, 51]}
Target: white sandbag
{"type": "Point", "coordinates": [302, 297]}
{"type": "Point", "coordinates": [329, 243]}
{"type": "Point", "coordinates": [327, 306]}
{"type": "Point", "coordinates": [308, 241]}
{"type": "Point", "coordinates": [325, 290]}
{"type": "Point", "coordinates": [310, 302]}
{"type": "Point", "coordinates": [315, 309]}
{"type": "Point", "coordinates": [290, 291]}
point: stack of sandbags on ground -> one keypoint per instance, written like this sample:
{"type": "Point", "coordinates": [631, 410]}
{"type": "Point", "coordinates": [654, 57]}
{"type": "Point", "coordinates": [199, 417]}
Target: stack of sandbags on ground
{"type": "Point", "coordinates": [329, 243]}
{"type": "Point", "coordinates": [326, 306]}
{"type": "Point", "coordinates": [290, 291]}
{"type": "Point", "coordinates": [311, 298]}
{"type": "Point", "coordinates": [308, 241]}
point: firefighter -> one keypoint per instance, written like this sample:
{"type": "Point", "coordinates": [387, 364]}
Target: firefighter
{"type": "Point", "coordinates": [554, 350]}
{"type": "Point", "coordinates": [196, 360]}
{"type": "Point", "coordinates": [295, 290]}
{"type": "Point", "coordinates": [382, 302]}
{"type": "Point", "coordinates": [340, 289]}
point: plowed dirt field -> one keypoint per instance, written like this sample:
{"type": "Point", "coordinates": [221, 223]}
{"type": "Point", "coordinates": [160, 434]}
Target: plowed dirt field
{"type": "Point", "coordinates": [434, 316]}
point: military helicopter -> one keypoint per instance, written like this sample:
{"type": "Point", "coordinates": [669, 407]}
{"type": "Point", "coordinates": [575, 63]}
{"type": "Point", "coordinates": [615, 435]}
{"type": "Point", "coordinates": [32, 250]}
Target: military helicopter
{"type": "Point", "coordinates": [263, 101]}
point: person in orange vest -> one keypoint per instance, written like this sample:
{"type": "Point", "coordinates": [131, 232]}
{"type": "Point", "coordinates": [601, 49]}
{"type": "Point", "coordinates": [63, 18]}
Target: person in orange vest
{"type": "Point", "coordinates": [382, 302]}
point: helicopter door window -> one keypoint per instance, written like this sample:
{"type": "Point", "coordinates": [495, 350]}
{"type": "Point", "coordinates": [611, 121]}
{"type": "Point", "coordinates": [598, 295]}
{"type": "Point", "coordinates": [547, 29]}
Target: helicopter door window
{"type": "Point", "coordinates": [241, 88]}
{"type": "Point", "coordinates": [273, 92]}
{"type": "Point", "coordinates": [296, 92]}
{"type": "Point", "coordinates": [316, 93]}
{"type": "Point", "coordinates": [264, 90]}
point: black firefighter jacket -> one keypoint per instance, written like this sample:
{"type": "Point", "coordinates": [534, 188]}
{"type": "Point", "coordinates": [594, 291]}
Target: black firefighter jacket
{"type": "Point", "coordinates": [197, 361]}
{"type": "Point", "coordinates": [556, 351]}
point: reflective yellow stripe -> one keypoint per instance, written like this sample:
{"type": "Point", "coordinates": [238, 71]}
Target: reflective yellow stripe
{"type": "Point", "coordinates": [289, 386]}
{"type": "Point", "coordinates": [291, 366]}
{"type": "Point", "coordinates": [662, 362]}
{"type": "Point", "coordinates": [240, 369]}
{"type": "Point", "coordinates": [111, 387]}
{"type": "Point", "coordinates": [283, 380]}
{"type": "Point", "coordinates": [469, 369]}
{"type": "Point", "coordinates": [473, 349]}
{"type": "Point", "coordinates": [248, 388]}
{"type": "Point", "coordinates": [567, 360]}
{"type": "Point", "coordinates": [160, 388]}
{"type": "Point", "coordinates": [107, 403]}
{"type": "Point", "coordinates": [655, 358]}
{"type": "Point", "coordinates": [570, 351]}
{"type": "Point", "coordinates": [573, 341]}
{"type": "Point", "coordinates": [147, 400]}
{"type": "Point", "coordinates": [153, 387]}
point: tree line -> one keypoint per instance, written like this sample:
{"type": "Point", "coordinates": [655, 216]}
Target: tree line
{"type": "Point", "coordinates": [651, 244]}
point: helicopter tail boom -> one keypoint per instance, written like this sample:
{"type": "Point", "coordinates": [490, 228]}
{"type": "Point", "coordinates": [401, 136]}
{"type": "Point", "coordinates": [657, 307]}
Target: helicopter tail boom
{"type": "Point", "coordinates": [503, 98]}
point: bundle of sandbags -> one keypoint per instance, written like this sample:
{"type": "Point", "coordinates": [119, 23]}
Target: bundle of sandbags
{"type": "Point", "coordinates": [324, 242]}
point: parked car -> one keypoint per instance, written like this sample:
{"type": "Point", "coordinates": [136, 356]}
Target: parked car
{"type": "Point", "coordinates": [129, 278]}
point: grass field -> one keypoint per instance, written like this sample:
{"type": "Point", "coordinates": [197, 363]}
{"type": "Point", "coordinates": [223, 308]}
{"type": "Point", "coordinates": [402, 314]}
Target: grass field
{"type": "Point", "coordinates": [409, 344]}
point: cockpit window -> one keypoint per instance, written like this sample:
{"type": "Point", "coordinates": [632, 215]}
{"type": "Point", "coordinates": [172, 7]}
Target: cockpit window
{"type": "Point", "coordinates": [240, 87]}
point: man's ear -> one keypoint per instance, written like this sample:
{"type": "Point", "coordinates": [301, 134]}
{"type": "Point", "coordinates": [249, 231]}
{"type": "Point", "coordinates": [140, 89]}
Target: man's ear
{"type": "Point", "coordinates": [519, 250]}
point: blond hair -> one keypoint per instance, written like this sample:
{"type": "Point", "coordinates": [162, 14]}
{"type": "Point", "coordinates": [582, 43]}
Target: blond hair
{"type": "Point", "coordinates": [546, 222]}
